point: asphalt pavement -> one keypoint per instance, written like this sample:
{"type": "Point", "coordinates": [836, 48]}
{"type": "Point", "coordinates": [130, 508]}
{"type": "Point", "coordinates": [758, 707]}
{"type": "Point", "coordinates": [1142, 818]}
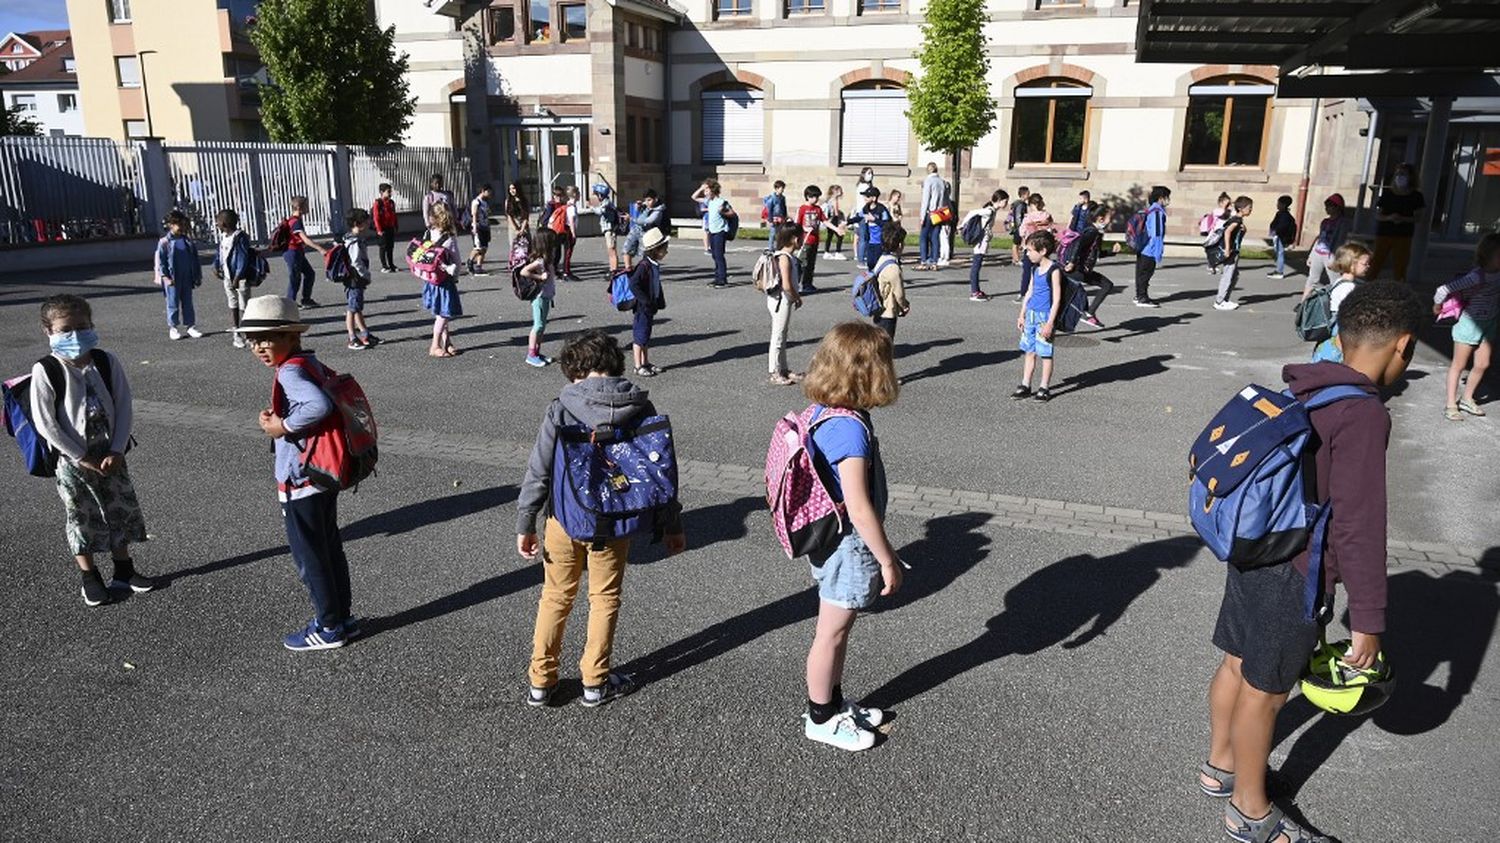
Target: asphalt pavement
{"type": "Point", "coordinates": [1047, 681]}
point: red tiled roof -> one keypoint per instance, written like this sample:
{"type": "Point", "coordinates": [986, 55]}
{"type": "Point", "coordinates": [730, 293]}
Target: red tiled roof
{"type": "Point", "coordinates": [49, 68]}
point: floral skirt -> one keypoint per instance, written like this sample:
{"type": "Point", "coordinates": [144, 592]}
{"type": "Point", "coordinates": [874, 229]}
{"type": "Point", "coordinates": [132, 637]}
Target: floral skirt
{"type": "Point", "coordinates": [102, 509]}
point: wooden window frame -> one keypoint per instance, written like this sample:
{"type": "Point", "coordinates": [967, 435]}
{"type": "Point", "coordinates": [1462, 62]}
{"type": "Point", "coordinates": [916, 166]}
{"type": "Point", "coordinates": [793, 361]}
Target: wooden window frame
{"type": "Point", "coordinates": [788, 12]}
{"type": "Point", "coordinates": [1088, 118]}
{"type": "Point", "coordinates": [1265, 129]}
{"type": "Point", "coordinates": [747, 15]}
{"type": "Point", "coordinates": [560, 10]}
{"type": "Point", "coordinates": [886, 7]}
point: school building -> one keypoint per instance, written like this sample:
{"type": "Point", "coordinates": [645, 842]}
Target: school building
{"type": "Point", "coordinates": [812, 91]}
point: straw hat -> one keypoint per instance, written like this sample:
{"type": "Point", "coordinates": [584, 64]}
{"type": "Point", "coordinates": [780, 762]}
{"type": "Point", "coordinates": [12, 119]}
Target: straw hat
{"type": "Point", "coordinates": [652, 239]}
{"type": "Point", "coordinates": [264, 314]}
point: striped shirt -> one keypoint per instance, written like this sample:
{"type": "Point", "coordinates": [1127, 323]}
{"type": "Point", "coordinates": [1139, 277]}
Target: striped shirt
{"type": "Point", "coordinates": [1482, 301]}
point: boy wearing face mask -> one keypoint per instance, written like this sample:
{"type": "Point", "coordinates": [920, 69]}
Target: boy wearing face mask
{"type": "Point", "coordinates": [80, 403]}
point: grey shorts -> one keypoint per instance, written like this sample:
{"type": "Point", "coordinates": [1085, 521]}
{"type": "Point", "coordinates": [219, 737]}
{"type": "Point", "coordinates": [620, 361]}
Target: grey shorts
{"type": "Point", "coordinates": [1263, 621]}
{"type": "Point", "coordinates": [849, 577]}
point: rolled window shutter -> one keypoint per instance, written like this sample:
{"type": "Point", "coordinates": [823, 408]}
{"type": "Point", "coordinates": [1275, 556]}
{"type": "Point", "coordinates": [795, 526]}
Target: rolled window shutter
{"type": "Point", "coordinates": [733, 126]}
{"type": "Point", "coordinates": [875, 128]}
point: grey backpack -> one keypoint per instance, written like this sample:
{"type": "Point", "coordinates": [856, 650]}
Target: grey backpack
{"type": "Point", "coordinates": [1314, 317]}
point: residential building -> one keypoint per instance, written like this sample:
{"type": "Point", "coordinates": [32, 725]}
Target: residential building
{"type": "Point", "coordinates": [42, 79]}
{"type": "Point", "coordinates": [812, 91]}
{"type": "Point", "coordinates": [183, 71]}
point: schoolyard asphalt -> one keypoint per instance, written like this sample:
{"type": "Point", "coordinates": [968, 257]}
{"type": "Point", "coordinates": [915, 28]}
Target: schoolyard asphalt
{"type": "Point", "coordinates": [1046, 661]}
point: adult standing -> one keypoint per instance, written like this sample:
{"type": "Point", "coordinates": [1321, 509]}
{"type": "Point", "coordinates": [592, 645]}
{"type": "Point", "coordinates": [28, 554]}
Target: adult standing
{"type": "Point", "coordinates": [517, 211]}
{"type": "Point", "coordinates": [719, 212]}
{"type": "Point", "coordinates": [866, 182]}
{"type": "Point", "coordinates": [1396, 214]}
{"type": "Point", "coordinates": [932, 199]}
{"type": "Point", "coordinates": [435, 194]}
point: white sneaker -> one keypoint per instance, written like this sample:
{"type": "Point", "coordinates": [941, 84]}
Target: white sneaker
{"type": "Point", "coordinates": [173, 333]}
{"type": "Point", "coordinates": [1226, 305]}
{"type": "Point", "coordinates": [239, 341]}
{"type": "Point", "coordinates": [841, 731]}
{"type": "Point", "coordinates": [194, 333]}
{"type": "Point", "coordinates": [1276, 275]}
{"type": "Point", "coordinates": [867, 718]}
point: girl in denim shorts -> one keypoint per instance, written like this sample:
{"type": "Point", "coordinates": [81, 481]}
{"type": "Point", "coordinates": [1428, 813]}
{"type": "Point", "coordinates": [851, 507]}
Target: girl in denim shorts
{"type": "Point", "coordinates": [851, 370]}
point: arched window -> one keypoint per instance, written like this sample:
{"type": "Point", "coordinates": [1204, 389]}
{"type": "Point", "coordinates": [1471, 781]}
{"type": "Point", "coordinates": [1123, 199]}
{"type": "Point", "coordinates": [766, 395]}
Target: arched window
{"type": "Point", "coordinates": [733, 124]}
{"type": "Point", "coordinates": [1227, 121]}
{"type": "Point", "coordinates": [1051, 122]}
{"type": "Point", "coordinates": [874, 128]}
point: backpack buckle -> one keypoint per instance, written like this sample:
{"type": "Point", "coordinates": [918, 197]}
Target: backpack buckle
{"type": "Point", "coordinates": [602, 433]}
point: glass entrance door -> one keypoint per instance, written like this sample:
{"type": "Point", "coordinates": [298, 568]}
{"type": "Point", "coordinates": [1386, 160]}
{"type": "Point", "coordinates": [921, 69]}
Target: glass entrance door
{"type": "Point", "coordinates": [543, 157]}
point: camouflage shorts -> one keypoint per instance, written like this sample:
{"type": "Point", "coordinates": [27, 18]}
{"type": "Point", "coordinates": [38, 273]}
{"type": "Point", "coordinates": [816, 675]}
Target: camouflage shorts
{"type": "Point", "coordinates": [102, 510]}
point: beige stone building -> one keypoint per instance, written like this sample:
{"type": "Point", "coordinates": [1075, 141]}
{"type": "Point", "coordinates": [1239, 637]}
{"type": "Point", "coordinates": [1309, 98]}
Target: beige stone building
{"type": "Point", "coordinates": [181, 70]}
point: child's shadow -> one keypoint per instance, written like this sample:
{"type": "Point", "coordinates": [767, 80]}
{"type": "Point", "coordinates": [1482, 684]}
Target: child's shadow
{"type": "Point", "coordinates": [1432, 621]}
{"type": "Point", "coordinates": [1047, 608]}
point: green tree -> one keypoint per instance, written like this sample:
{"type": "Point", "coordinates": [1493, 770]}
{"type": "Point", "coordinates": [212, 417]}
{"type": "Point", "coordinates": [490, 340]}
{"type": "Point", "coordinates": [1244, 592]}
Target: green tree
{"type": "Point", "coordinates": [951, 106]}
{"type": "Point", "coordinates": [334, 75]}
{"type": "Point", "coordinates": [13, 121]}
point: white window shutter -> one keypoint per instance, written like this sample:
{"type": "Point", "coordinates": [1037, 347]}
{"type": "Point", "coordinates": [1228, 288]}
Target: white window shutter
{"type": "Point", "coordinates": [875, 128]}
{"type": "Point", "coordinates": [733, 126]}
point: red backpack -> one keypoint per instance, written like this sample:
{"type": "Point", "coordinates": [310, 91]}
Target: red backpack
{"type": "Point", "coordinates": [281, 238]}
{"type": "Point", "coordinates": [804, 514]}
{"type": "Point", "coordinates": [342, 450]}
{"type": "Point", "coordinates": [558, 221]}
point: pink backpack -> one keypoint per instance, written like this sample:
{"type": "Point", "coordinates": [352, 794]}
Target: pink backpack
{"type": "Point", "coordinates": [803, 512]}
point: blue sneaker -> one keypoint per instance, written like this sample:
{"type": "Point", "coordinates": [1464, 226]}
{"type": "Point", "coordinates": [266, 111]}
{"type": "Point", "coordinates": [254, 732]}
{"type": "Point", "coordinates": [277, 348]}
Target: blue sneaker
{"type": "Point", "coordinates": [536, 360]}
{"type": "Point", "coordinates": [315, 637]}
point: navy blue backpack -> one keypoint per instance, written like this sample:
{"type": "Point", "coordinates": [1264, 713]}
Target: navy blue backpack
{"type": "Point", "coordinates": [612, 482]}
{"type": "Point", "coordinates": [36, 453]}
{"type": "Point", "coordinates": [1253, 498]}
{"type": "Point", "coordinates": [866, 290]}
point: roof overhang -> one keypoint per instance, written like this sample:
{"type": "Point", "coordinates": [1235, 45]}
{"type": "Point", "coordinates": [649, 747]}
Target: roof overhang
{"type": "Point", "coordinates": [645, 8]}
{"type": "Point", "coordinates": [1424, 47]}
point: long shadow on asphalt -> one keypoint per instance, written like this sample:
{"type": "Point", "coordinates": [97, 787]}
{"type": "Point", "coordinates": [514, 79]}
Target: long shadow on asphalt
{"type": "Point", "coordinates": [1143, 325]}
{"type": "Point", "coordinates": [736, 352]}
{"type": "Point", "coordinates": [1432, 622]}
{"type": "Point", "coordinates": [92, 291]}
{"type": "Point", "coordinates": [962, 363]}
{"type": "Point", "coordinates": [952, 546]}
{"type": "Point", "coordinates": [1130, 370]}
{"type": "Point", "coordinates": [1052, 606]}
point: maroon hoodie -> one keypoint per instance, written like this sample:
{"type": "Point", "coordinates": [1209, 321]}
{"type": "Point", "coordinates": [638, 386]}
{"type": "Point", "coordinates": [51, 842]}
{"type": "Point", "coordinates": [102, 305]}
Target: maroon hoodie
{"type": "Point", "coordinates": [1350, 437]}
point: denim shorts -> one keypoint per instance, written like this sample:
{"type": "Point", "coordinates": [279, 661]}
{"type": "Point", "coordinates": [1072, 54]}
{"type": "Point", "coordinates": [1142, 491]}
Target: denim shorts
{"type": "Point", "coordinates": [849, 577]}
{"type": "Point", "coordinates": [354, 297]}
{"type": "Point", "coordinates": [1032, 341]}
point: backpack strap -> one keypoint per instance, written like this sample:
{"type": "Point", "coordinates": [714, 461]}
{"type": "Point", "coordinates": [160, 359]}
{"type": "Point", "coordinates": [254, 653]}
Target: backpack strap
{"type": "Point", "coordinates": [1332, 394]}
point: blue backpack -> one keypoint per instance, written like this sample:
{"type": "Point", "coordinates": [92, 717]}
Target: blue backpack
{"type": "Point", "coordinates": [1137, 233]}
{"type": "Point", "coordinates": [611, 482]}
{"type": "Point", "coordinates": [620, 294]}
{"type": "Point", "coordinates": [36, 453]}
{"type": "Point", "coordinates": [1253, 497]}
{"type": "Point", "coordinates": [866, 290]}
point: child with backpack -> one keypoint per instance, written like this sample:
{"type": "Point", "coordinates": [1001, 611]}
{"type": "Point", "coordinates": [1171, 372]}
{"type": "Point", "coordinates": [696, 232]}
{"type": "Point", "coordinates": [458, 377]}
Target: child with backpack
{"type": "Point", "coordinates": [383, 215]}
{"type": "Point", "coordinates": [1229, 253]}
{"type": "Point", "coordinates": [597, 395]}
{"type": "Point", "coordinates": [1038, 315]}
{"type": "Point", "coordinates": [1268, 622]}
{"type": "Point", "coordinates": [177, 262]}
{"type": "Point", "coordinates": [1150, 243]}
{"type": "Point", "coordinates": [648, 217]}
{"type": "Point", "coordinates": [479, 224]}
{"type": "Point", "coordinates": [1013, 222]}
{"type": "Point", "coordinates": [889, 280]}
{"type": "Point", "coordinates": [356, 221]}
{"type": "Point", "coordinates": [540, 268]}
{"type": "Point", "coordinates": [436, 195]}
{"type": "Point", "coordinates": [873, 218]}
{"type": "Point", "coordinates": [1474, 332]}
{"type": "Point", "coordinates": [569, 234]}
{"type": "Point", "coordinates": [833, 234]}
{"type": "Point", "coordinates": [1352, 262]}
{"type": "Point", "coordinates": [717, 223]}
{"type": "Point", "coordinates": [1037, 218]}
{"type": "Point", "coordinates": [984, 220]}
{"type": "Point", "coordinates": [1283, 235]}
{"type": "Point", "coordinates": [852, 373]}
{"type": "Point", "coordinates": [1082, 218]}
{"type": "Point", "coordinates": [810, 221]}
{"type": "Point", "coordinates": [440, 293]}
{"type": "Point", "coordinates": [1211, 225]}
{"type": "Point", "coordinates": [861, 190]}
{"type": "Point", "coordinates": [301, 409]}
{"type": "Point", "coordinates": [1332, 232]}
{"type": "Point", "coordinates": [773, 207]}
{"type": "Point", "coordinates": [235, 265]}
{"type": "Point", "coordinates": [292, 238]}
{"type": "Point", "coordinates": [1080, 256]}
{"type": "Point", "coordinates": [81, 405]}
{"type": "Point", "coordinates": [611, 220]}
{"type": "Point", "coordinates": [779, 280]}
{"type": "Point", "coordinates": [645, 284]}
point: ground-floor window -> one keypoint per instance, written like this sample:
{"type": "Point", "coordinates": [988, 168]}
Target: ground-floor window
{"type": "Point", "coordinates": [1051, 120]}
{"type": "Point", "coordinates": [1227, 121]}
{"type": "Point", "coordinates": [733, 125]}
{"type": "Point", "coordinates": [874, 128]}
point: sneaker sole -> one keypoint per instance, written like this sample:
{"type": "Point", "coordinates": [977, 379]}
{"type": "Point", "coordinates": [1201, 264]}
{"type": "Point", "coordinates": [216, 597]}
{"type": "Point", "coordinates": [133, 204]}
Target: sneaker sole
{"type": "Point", "coordinates": [90, 603]}
{"type": "Point", "coordinates": [333, 645]}
{"type": "Point", "coordinates": [121, 584]}
{"type": "Point", "coordinates": [817, 738]}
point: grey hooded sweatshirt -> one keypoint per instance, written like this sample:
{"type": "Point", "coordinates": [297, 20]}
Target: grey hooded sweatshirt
{"type": "Point", "coordinates": [591, 402]}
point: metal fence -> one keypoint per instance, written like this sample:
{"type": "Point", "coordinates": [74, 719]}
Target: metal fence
{"type": "Point", "coordinates": [407, 170]}
{"type": "Point", "coordinates": [256, 180]}
{"type": "Point", "coordinates": [61, 189]}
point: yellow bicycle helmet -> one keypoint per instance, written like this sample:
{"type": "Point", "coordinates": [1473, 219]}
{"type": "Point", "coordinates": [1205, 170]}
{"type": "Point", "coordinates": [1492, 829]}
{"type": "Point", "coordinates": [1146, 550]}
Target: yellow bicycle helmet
{"type": "Point", "coordinates": [1337, 688]}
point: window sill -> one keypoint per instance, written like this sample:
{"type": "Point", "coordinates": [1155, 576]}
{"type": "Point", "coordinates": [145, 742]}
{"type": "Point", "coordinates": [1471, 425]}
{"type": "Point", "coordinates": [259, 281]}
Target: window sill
{"type": "Point", "coordinates": [506, 48]}
{"type": "Point", "coordinates": [737, 168]}
{"type": "Point", "coordinates": [1194, 173]}
{"type": "Point", "coordinates": [1076, 172]}
{"type": "Point", "coordinates": [898, 171]}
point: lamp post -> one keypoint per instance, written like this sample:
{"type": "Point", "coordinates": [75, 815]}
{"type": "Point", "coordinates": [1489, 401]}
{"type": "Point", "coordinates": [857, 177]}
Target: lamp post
{"type": "Point", "coordinates": [140, 60]}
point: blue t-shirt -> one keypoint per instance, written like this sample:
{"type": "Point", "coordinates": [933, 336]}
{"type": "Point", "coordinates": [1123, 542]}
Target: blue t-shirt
{"type": "Point", "coordinates": [1041, 290]}
{"type": "Point", "coordinates": [842, 438]}
{"type": "Point", "coordinates": [716, 223]}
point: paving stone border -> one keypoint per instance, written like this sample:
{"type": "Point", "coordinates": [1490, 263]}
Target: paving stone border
{"type": "Point", "coordinates": [1071, 518]}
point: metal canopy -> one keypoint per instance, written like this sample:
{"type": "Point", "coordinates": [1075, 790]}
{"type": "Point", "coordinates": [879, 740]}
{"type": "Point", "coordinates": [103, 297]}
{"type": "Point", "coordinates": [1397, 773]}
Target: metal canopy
{"type": "Point", "coordinates": [1429, 46]}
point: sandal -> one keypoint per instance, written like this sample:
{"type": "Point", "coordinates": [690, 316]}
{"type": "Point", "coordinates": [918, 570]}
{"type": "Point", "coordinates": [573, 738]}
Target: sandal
{"type": "Point", "coordinates": [1266, 829]}
{"type": "Point", "coordinates": [645, 372]}
{"type": "Point", "coordinates": [453, 351]}
{"type": "Point", "coordinates": [1470, 407]}
{"type": "Point", "coordinates": [779, 380]}
{"type": "Point", "coordinates": [438, 353]}
{"type": "Point", "coordinates": [1452, 413]}
{"type": "Point", "coordinates": [1223, 778]}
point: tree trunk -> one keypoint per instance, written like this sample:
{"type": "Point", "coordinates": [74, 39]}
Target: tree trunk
{"type": "Point", "coordinates": [957, 173]}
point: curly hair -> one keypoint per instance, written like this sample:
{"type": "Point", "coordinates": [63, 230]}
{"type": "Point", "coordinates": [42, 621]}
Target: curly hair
{"type": "Point", "coordinates": [1378, 312]}
{"type": "Point", "coordinates": [62, 306]}
{"type": "Point", "coordinates": [852, 368]}
{"type": "Point", "coordinates": [592, 351]}
{"type": "Point", "coordinates": [1043, 241]}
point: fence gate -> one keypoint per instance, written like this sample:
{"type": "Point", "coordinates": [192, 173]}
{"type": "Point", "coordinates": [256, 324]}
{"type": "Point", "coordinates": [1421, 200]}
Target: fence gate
{"type": "Point", "coordinates": [56, 189]}
{"type": "Point", "coordinates": [257, 180]}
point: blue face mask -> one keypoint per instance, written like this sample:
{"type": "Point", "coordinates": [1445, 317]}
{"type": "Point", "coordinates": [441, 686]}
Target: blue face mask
{"type": "Point", "coordinates": [74, 344]}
